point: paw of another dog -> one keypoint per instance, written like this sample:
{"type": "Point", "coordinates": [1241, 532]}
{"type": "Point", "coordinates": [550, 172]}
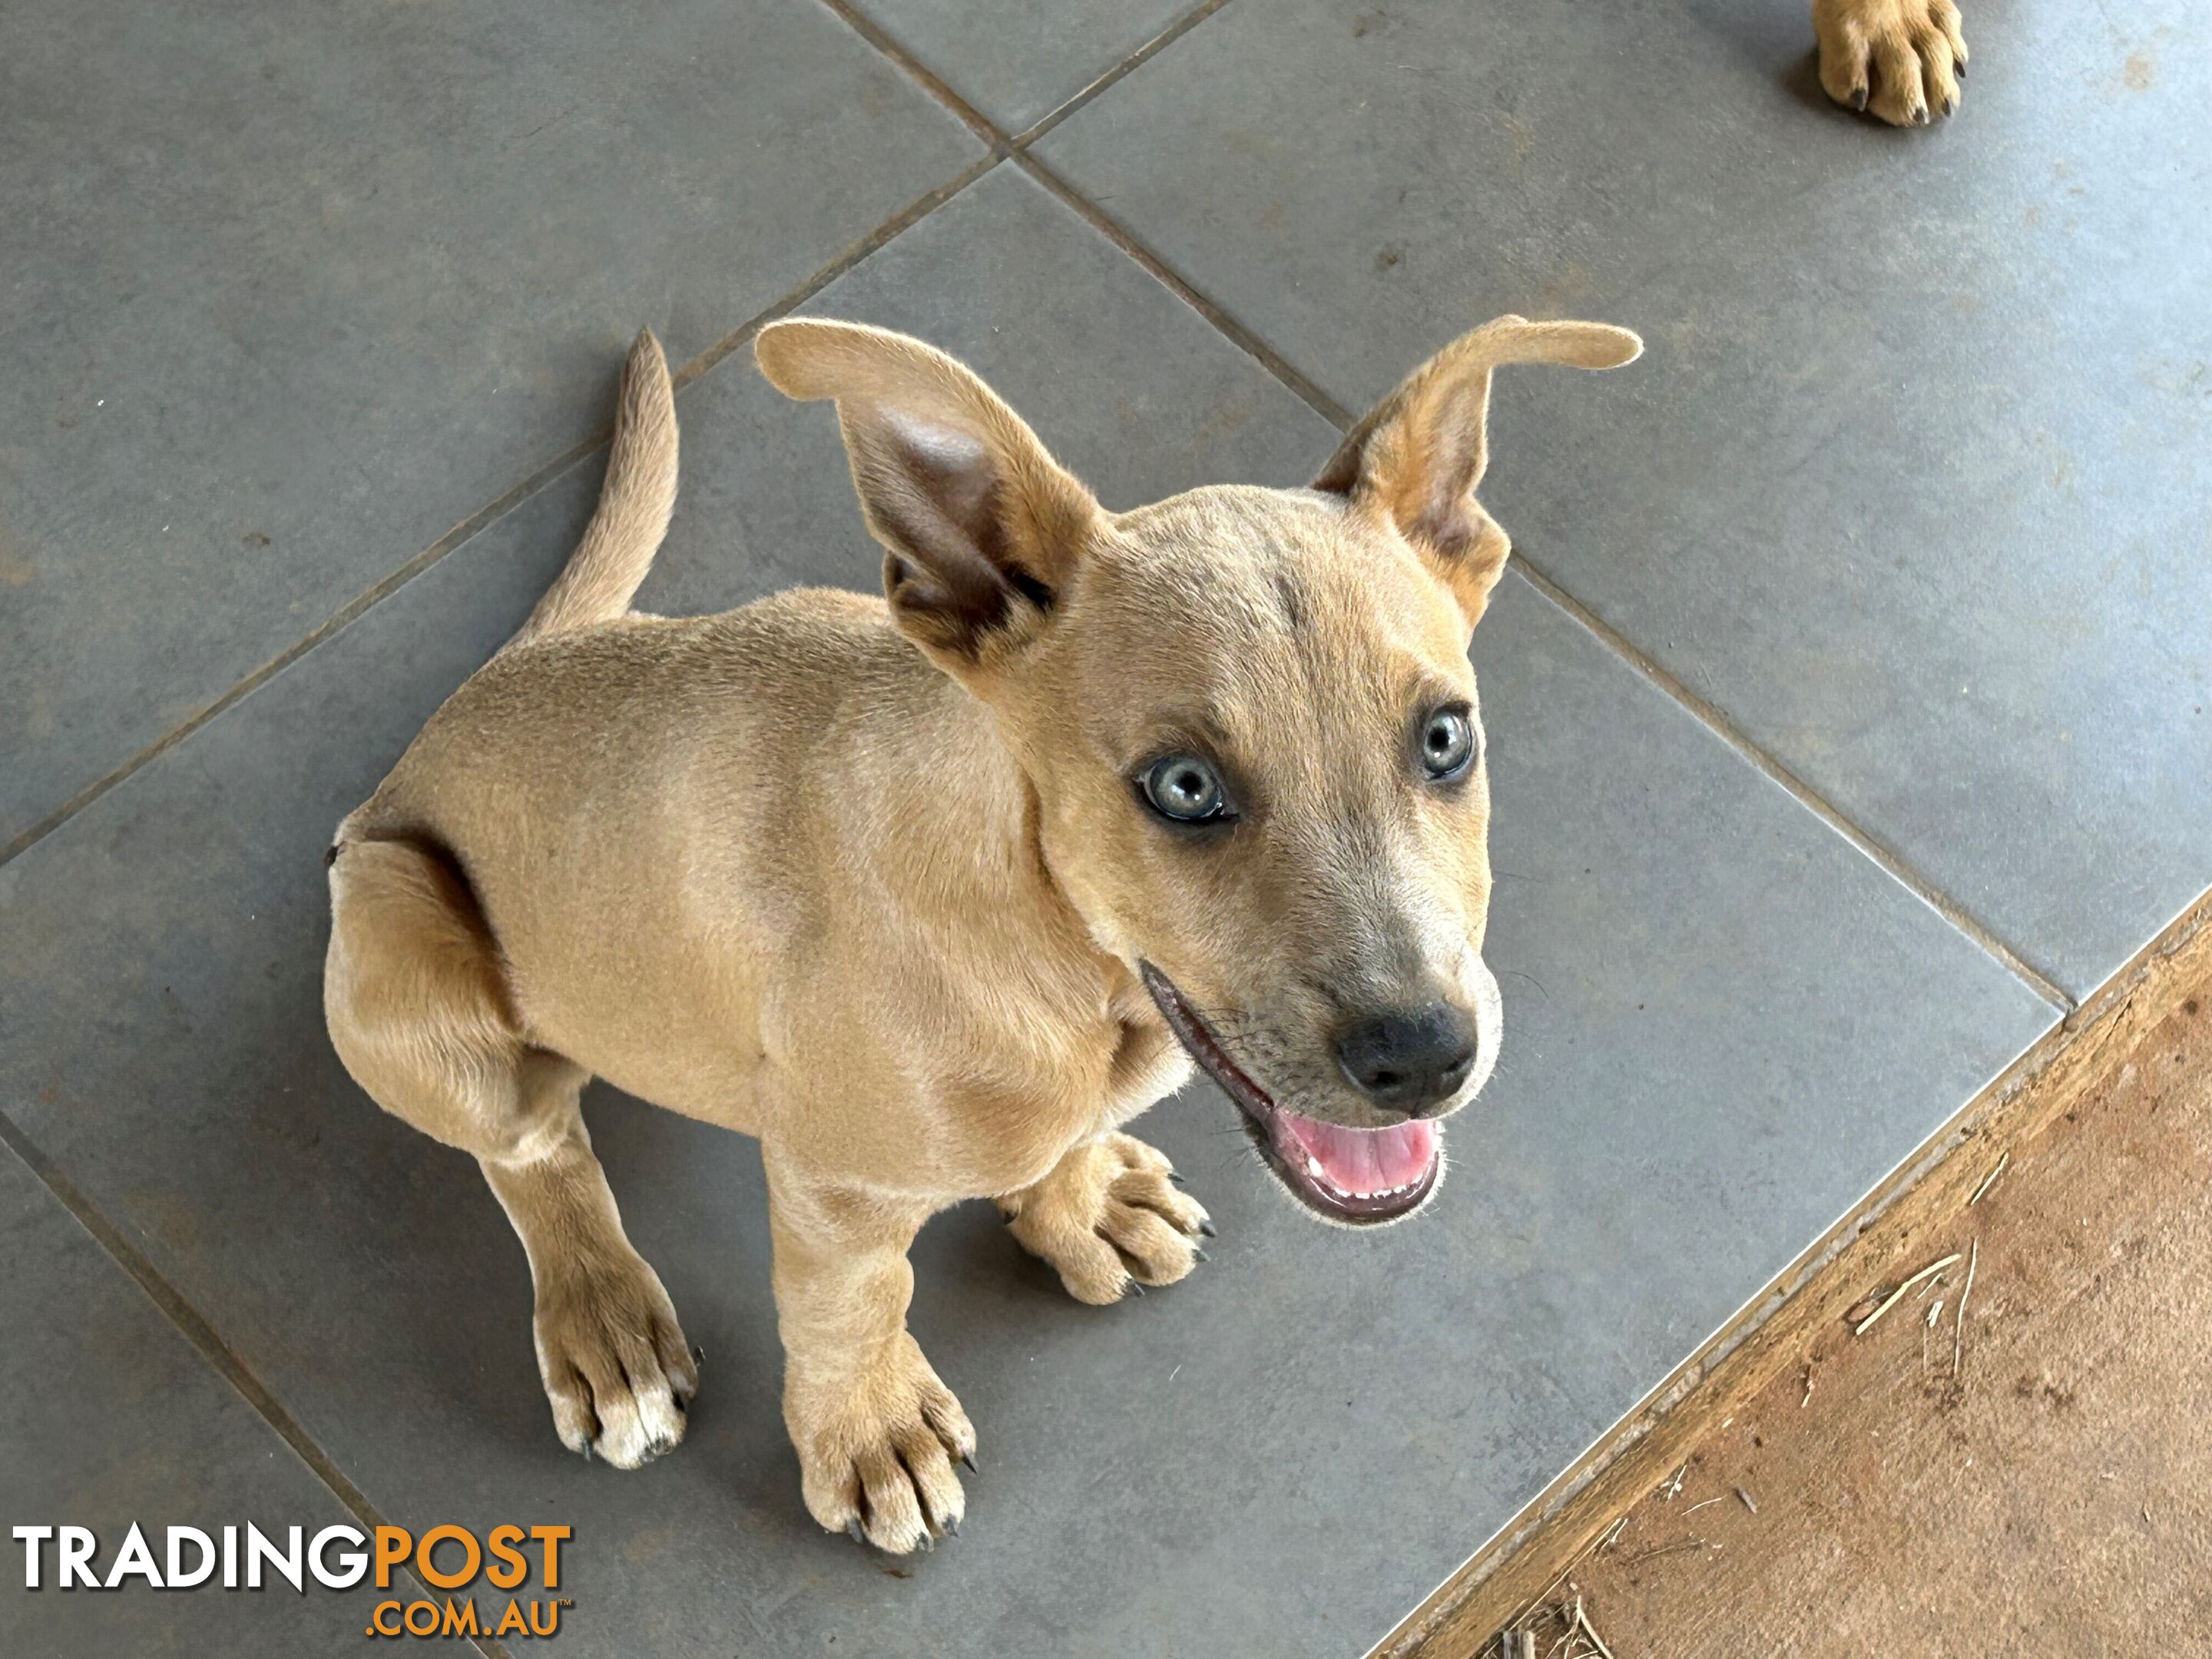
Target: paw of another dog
{"type": "Point", "coordinates": [876, 1451]}
{"type": "Point", "coordinates": [1901, 60]}
{"type": "Point", "coordinates": [1110, 1218]}
{"type": "Point", "coordinates": [614, 1361]}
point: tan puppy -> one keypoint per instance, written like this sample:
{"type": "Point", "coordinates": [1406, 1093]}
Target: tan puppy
{"type": "Point", "coordinates": [923, 891]}
{"type": "Point", "coordinates": [1899, 59]}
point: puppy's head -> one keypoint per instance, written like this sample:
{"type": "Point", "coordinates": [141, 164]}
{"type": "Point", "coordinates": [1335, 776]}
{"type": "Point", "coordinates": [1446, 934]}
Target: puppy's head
{"type": "Point", "coordinates": [1249, 719]}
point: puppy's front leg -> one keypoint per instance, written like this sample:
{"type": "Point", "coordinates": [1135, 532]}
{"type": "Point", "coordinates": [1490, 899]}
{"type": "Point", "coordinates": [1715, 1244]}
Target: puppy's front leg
{"type": "Point", "coordinates": [1109, 1217]}
{"type": "Point", "coordinates": [1901, 60]}
{"type": "Point", "coordinates": [875, 1430]}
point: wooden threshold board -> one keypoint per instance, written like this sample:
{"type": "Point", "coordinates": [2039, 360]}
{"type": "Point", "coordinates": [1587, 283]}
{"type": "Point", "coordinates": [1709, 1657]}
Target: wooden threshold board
{"type": "Point", "coordinates": [1513, 1572]}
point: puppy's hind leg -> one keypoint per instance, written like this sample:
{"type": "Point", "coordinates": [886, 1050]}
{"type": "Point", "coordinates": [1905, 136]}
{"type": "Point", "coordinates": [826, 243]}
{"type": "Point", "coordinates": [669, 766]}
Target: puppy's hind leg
{"type": "Point", "coordinates": [418, 1009]}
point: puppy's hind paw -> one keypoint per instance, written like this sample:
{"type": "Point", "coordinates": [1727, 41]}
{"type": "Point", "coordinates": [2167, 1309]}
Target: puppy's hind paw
{"type": "Point", "coordinates": [1111, 1217]}
{"type": "Point", "coordinates": [1900, 60]}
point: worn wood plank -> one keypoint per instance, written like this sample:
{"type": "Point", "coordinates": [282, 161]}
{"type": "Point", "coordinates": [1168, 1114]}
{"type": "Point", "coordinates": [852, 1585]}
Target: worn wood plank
{"type": "Point", "coordinates": [1894, 1226]}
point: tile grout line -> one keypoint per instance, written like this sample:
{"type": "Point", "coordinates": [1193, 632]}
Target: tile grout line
{"type": "Point", "coordinates": [1136, 59]}
{"type": "Point", "coordinates": [1286, 374]}
{"type": "Point", "coordinates": [897, 225]}
{"type": "Point", "coordinates": [1309, 393]}
{"type": "Point", "coordinates": [382, 589]}
{"type": "Point", "coordinates": [337, 621]}
{"type": "Point", "coordinates": [194, 1328]}
{"type": "Point", "coordinates": [1016, 148]}
{"type": "Point", "coordinates": [1714, 719]}
{"type": "Point", "coordinates": [1002, 143]}
{"type": "Point", "coordinates": [924, 76]}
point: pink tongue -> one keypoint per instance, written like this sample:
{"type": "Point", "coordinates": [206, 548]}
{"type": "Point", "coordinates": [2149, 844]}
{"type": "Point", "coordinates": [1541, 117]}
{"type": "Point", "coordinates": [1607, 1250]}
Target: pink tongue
{"type": "Point", "coordinates": [1361, 1163]}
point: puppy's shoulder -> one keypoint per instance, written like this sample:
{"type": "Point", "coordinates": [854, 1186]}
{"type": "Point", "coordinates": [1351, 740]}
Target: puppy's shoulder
{"type": "Point", "coordinates": [834, 618]}
{"type": "Point", "coordinates": [806, 635]}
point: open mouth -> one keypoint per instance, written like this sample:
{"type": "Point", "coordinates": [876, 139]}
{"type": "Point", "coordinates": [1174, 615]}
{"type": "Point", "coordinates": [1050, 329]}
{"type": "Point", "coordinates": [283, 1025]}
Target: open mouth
{"type": "Point", "coordinates": [1360, 1176]}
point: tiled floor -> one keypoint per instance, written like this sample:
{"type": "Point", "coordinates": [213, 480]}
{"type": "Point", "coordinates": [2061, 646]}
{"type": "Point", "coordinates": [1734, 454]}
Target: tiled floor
{"type": "Point", "coordinates": [306, 313]}
{"type": "Point", "coordinates": [127, 1423]}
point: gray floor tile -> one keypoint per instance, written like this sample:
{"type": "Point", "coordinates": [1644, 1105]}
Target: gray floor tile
{"type": "Point", "coordinates": [1018, 60]}
{"type": "Point", "coordinates": [1914, 481]}
{"type": "Point", "coordinates": [1722, 1026]}
{"type": "Point", "coordinates": [291, 291]}
{"type": "Point", "coordinates": [114, 1420]}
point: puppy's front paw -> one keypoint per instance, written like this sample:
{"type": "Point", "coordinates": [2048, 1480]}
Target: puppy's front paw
{"type": "Point", "coordinates": [876, 1451]}
{"type": "Point", "coordinates": [614, 1361]}
{"type": "Point", "coordinates": [1109, 1217]}
{"type": "Point", "coordinates": [1899, 59]}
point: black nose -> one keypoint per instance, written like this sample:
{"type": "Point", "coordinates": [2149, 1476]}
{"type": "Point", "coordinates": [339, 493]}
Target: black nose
{"type": "Point", "coordinates": [1408, 1059]}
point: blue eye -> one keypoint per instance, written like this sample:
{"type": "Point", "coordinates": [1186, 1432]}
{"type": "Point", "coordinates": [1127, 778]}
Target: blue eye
{"type": "Point", "coordinates": [1447, 745]}
{"type": "Point", "coordinates": [1184, 789]}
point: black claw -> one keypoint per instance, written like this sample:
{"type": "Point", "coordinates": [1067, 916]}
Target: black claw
{"type": "Point", "coordinates": [1200, 1253]}
{"type": "Point", "coordinates": [1959, 67]}
{"type": "Point", "coordinates": [1135, 1288]}
{"type": "Point", "coordinates": [1950, 105]}
{"type": "Point", "coordinates": [853, 1531]}
{"type": "Point", "coordinates": [1859, 99]}
{"type": "Point", "coordinates": [1208, 1229]}
{"type": "Point", "coordinates": [969, 1459]}
{"type": "Point", "coordinates": [952, 1525]}
{"type": "Point", "coordinates": [928, 1544]}
{"type": "Point", "coordinates": [698, 1355]}
{"type": "Point", "coordinates": [1176, 1178]}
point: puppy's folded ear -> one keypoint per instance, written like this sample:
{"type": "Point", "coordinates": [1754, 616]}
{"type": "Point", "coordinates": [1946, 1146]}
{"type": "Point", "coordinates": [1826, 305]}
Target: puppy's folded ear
{"type": "Point", "coordinates": [1419, 453]}
{"type": "Point", "coordinates": [980, 525]}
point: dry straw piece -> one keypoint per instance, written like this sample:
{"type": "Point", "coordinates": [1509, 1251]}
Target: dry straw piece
{"type": "Point", "coordinates": [1584, 1626]}
{"type": "Point", "coordinates": [1895, 1295]}
{"type": "Point", "coordinates": [1959, 1331]}
{"type": "Point", "coordinates": [1989, 1181]}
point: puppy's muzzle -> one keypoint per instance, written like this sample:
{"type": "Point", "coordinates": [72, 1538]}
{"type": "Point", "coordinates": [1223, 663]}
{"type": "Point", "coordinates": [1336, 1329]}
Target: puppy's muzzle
{"type": "Point", "coordinates": [1409, 1060]}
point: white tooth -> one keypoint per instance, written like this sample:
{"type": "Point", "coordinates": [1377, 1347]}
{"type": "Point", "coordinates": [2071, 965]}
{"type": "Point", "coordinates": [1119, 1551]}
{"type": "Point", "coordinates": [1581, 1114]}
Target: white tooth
{"type": "Point", "coordinates": [1313, 1166]}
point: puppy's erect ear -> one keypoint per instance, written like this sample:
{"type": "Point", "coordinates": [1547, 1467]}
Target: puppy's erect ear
{"type": "Point", "coordinates": [981, 525]}
{"type": "Point", "coordinates": [1418, 455]}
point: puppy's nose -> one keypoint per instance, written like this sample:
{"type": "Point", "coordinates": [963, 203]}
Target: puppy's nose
{"type": "Point", "coordinates": [1408, 1059]}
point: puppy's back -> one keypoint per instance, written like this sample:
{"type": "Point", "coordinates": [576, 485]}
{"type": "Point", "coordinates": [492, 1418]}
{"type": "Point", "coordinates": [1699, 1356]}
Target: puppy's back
{"type": "Point", "coordinates": [654, 812]}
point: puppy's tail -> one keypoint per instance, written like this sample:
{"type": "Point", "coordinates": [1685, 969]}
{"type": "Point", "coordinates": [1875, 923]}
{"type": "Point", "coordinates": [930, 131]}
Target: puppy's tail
{"type": "Point", "coordinates": [635, 503]}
